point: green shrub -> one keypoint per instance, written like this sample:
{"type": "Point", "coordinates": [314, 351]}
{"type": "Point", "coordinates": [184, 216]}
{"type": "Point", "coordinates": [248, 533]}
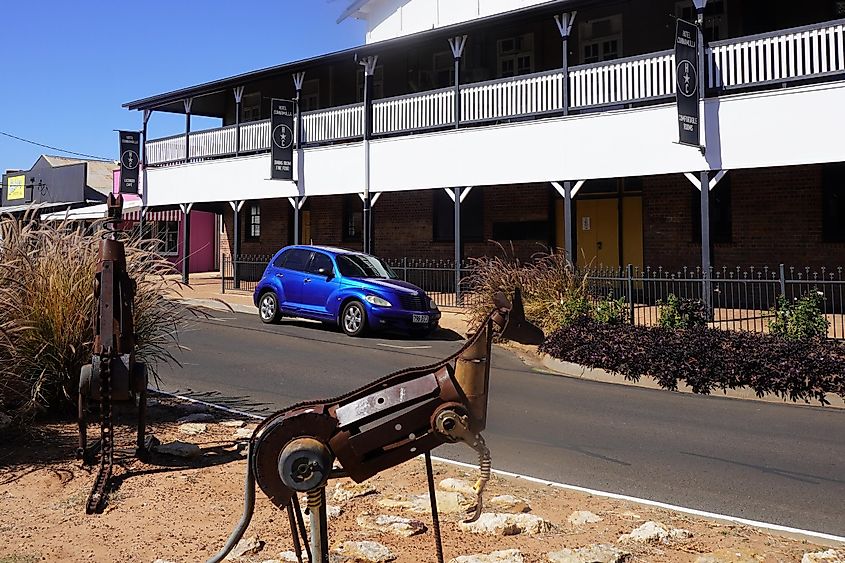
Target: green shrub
{"type": "Point", "coordinates": [47, 306]}
{"type": "Point", "coordinates": [611, 311]}
{"type": "Point", "coordinates": [681, 312]}
{"type": "Point", "coordinates": [800, 318]}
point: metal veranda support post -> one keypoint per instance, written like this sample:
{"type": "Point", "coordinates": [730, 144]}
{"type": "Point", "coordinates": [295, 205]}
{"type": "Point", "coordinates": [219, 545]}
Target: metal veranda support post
{"type": "Point", "coordinates": [296, 220]}
{"type": "Point", "coordinates": [369, 64]}
{"type": "Point", "coordinates": [298, 81]}
{"type": "Point", "coordinates": [706, 294]}
{"type": "Point", "coordinates": [457, 45]}
{"type": "Point", "coordinates": [236, 244]}
{"type": "Point", "coordinates": [564, 25]}
{"type": "Point", "coordinates": [188, 102]}
{"type": "Point", "coordinates": [630, 274]}
{"type": "Point", "coordinates": [147, 114]}
{"type": "Point", "coordinates": [186, 242]}
{"type": "Point", "coordinates": [566, 191]}
{"type": "Point", "coordinates": [239, 94]}
{"type": "Point", "coordinates": [782, 274]}
{"type": "Point", "coordinates": [458, 252]}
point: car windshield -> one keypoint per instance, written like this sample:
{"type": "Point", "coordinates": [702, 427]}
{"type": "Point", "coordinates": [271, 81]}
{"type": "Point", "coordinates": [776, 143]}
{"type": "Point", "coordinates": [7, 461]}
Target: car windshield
{"type": "Point", "coordinates": [363, 266]}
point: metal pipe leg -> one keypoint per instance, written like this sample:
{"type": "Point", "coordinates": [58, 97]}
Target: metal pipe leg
{"type": "Point", "coordinates": [435, 518]}
{"type": "Point", "coordinates": [319, 526]}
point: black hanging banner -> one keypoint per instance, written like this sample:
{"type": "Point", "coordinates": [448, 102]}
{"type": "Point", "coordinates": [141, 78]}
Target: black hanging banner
{"type": "Point", "coordinates": [687, 91]}
{"type": "Point", "coordinates": [281, 153]}
{"type": "Point", "coordinates": [130, 145]}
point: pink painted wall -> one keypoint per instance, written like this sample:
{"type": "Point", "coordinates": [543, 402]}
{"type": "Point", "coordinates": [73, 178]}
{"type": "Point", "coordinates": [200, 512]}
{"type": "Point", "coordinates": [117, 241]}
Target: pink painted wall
{"type": "Point", "coordinates": [203, 226]}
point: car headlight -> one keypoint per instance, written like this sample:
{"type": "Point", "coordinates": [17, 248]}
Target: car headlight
{"type": "Point", "coordinates": [376, 300]}
{"type": "Point", "coordinates": [432, 305]}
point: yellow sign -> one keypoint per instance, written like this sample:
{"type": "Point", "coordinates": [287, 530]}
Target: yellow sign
{"type": "Point", "coordinates": [15, 189]}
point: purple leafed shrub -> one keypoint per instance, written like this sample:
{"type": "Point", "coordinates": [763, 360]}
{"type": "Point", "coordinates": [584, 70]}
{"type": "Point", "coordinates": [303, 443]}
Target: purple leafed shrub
{"type": "Point", "coordinates": [706, 359]}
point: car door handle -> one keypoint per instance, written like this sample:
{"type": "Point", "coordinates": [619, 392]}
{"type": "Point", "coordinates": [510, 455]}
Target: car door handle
{"type": "Point", "coordinates": [280, 275]}
{"type": "Point", "coordinates": [306, 280]}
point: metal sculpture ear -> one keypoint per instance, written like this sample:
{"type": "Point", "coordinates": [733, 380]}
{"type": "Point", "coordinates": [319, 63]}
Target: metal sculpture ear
{"type": "Point", "coordinates": [518, 328]}
{"type": "Point", "coordinates": [381, 425]}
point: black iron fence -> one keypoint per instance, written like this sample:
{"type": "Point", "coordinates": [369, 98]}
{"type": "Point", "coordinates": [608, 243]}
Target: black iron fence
{"type": "Point", "coordinates": [243, 273]}
{"type": "Point", "coordinates": [740, 299]}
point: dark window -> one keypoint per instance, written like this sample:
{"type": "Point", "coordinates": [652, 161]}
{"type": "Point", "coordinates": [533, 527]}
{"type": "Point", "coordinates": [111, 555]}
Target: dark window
{"type": "Point", "coordinates": [521, 230]}
{"type": "Point", "coordinates": [280, 261]}
{"type": "Point", "coordinates": [320, 262]}
{"type": "Point", "coordinates": [833, 202]}
{"type": "Point", "coordinates": [721, 229]}
{"type": "Point", "coordinates": [254, 228]}
{"type": "Point", "coordinates": [167, 232]}
{"type": "Point", "coordinates": [296, 259]}
{"type": "Point", "coordinates": [353, 218]}
{"type": "Point", "coordinates": [472, 217]}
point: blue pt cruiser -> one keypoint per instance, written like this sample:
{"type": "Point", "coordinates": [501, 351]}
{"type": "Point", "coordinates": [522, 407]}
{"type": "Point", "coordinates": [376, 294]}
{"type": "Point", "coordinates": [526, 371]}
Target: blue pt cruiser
{"type": "Point", "coordinates": [357, 291]}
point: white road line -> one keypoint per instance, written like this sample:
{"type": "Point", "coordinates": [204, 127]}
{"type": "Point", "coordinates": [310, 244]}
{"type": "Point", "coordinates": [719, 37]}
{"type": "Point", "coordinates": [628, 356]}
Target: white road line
{"type": "Point", "coordinates": [404, 347]}
{"type": "Point", "coordinates": [617, 496]}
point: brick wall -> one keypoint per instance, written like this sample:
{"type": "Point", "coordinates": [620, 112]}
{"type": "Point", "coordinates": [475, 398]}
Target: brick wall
{"type": "Point", "coordinates": [776, 218]}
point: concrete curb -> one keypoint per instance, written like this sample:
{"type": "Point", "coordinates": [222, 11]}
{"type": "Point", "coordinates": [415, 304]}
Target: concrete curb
{"type": "Point", "coordinates": [577, 371]}
{"type": "Point", "coordinates": [216, 305]}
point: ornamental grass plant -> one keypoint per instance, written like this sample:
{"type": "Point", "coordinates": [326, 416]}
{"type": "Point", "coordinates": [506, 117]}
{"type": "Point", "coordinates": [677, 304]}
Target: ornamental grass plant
{"type": "Point", "coordinates": [47, 307]}
{"type": "Point", "coordinates": [553, 293]}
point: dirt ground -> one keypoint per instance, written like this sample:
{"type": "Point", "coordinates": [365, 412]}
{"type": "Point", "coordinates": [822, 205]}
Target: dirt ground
{"type": "Point", "coordinates": [182, 510]}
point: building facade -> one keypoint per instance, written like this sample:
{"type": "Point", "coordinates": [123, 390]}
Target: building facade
{"type": "Point", "coordinates": [535, 125]}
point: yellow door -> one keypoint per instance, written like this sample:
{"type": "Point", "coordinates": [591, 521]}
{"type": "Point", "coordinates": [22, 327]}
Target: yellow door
{"type": "Point", "coordinates": [597, 224]}
{"type": "Point", "coordinates": [632, 231]}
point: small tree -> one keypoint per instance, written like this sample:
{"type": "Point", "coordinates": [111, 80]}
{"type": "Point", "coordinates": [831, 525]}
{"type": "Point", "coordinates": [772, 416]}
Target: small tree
{"type": "Point", "coordinates": [800, 319]}
{"type": "Point", "coordinates": [681, 312]}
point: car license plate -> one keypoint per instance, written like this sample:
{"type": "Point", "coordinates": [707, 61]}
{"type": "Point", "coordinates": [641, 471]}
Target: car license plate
{"type": "Point", "coordinates": [419, 319]}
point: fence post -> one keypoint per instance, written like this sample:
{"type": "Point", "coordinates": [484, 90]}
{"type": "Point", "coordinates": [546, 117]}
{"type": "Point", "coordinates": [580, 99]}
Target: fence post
{"type": "Point", "coordinates": [405, 268]}
{"type": "Point", "coordinates": [630, 273]}
{"type": "Point", "coordinates": [782, 281]}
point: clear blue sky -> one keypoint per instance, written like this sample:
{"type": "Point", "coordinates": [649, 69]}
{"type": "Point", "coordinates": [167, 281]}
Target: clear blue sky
{"type": "Point", "coordinates": [67, 67]}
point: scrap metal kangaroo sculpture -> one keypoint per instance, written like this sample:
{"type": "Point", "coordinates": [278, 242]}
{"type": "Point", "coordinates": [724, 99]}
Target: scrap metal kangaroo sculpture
{"type": "Point", "coordinates": [379, 426]}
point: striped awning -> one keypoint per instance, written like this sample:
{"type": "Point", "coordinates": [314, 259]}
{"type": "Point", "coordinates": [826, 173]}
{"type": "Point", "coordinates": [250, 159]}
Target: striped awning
{"type": "Point", "coordinates": [152, 215]}
{"type": "Point", "coordinates": [131, 213]}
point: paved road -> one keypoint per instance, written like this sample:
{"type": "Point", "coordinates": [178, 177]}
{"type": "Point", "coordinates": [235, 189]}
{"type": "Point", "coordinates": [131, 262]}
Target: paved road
{"type": "Point", "coordinates": [776, 463]}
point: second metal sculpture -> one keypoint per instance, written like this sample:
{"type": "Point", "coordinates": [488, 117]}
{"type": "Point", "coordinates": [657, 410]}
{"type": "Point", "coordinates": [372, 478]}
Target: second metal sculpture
{"type": "Point", "coordinates": [379, 426]}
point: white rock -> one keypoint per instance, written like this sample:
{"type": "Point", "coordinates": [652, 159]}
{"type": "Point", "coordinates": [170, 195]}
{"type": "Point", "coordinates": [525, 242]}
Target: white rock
{"type": "Point", "coordinates": [503, 556]}
{"type": "Point", "coordinates": [457, 486]}
{"type": "Point", "coordinates": [196, 417]}
{"type": "Point", "coordinates": [508, 503]}
{"type": "Point", "coordinates": [396, 525]}
{"type": "Point", "coordinates": [243, 433]}
{"type": "Point", "coordinates": [829, 556]}
{"type": "Point", "coordinates": [735, 555]}
{"type": "Point", "coordinates": [193, 428]}
{"type": "Point", "coordinates": [179, 449]}
{"type": "Point", "coordinates": [233, 424]}
{"type": "Point", "coordinates": [654, 532]}
{"type": "Point", "coordinates": [364, 552]}
{"type": "Point", "coordinates": [290, 557]}
{"type": "Point", "coordinates": [581, 517]}
{"type": "Point", "coordinates": [497, 524]}
{"type": "Point", "coordinates": [348, 490]}
{"type": "Point", "coordinates": [249, 546]}
{"type": "Point", "coordinates": [594, 553]}
{"type": "Point", "coordinates": [447, 503]}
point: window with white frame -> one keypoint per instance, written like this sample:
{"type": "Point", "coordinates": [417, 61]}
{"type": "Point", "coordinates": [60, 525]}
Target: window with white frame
{"type": "Point", "coordinates": [167, 233]}
{"type": "Point", "coordinates": [715, 18]}
{"type": "Point", "coordinates": [251, 107]}
{"type": "Point", "coordinates": [254, 227]}
{"type": "Point", "coordinates": [515, 55]}
{"type": "Point", "coordinates": [310, 97]}
{"type": "Point", "coordinates": [378, 83]}
{"type": "Point", "coordinates": [601, 39]}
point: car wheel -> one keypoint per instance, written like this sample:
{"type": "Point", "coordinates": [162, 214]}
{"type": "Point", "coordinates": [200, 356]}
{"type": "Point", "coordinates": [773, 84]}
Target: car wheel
{"type": "Point", "coordinates": [353, 319]}
{"type": "Point", "coordinates": [268, 308]}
